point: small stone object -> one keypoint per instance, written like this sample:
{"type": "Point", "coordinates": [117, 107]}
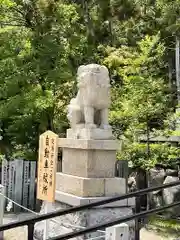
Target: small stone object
{"type": "Point", "coordinates": [117, 232]}
{"type": "Point", "coordinates": [171, 172]}
{"type": "Point", "coordinates": [156, 177]}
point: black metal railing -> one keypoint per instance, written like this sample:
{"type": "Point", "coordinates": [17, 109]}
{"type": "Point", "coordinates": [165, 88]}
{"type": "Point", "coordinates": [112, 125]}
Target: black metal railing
{"type": "Point", "coordinates": [111, 223]}
{"type": "Point", "coordinates": [31, 221]}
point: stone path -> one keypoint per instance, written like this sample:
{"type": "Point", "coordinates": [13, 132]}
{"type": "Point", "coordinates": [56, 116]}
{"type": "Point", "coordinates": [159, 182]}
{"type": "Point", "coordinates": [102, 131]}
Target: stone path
{"type": "Point", "coordinates": [16, 234]}
{"type": "Point", "coordinates": [149, 235]}
{"type": "Point", "coordinates": [21, 232]}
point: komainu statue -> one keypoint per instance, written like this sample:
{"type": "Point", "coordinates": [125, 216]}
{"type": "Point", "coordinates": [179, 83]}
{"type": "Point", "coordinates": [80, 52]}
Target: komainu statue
{"type": "Point", "coordinates": [90, 107]}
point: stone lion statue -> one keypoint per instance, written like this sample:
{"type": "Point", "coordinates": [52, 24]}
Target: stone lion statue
{"type": "Point", "coordinates": [90, 107]}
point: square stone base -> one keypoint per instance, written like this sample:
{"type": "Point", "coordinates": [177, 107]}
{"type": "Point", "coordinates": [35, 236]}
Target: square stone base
{"type": "Point", "coordinates": [80, 220]}
{"type": "Point", "coordinates": [88, 144]}
{"type": "Point", "coordinates": [89, 158]}
{"type": "Point", "coordinates": [89, 163]}
{"type": "Point", "coordinates": [74, 200]}
{"type": "Point", "coordinates": [90, 187]}
{"type": "Point", "coordinates": [94, 133]}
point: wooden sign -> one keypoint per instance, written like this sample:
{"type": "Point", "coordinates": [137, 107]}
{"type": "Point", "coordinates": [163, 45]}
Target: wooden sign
{"type": "Point", "coordinates": [47, 163]}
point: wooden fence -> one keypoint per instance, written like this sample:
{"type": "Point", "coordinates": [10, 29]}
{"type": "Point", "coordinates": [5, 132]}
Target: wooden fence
{"type": "Point", "coordinates": [19, 180]}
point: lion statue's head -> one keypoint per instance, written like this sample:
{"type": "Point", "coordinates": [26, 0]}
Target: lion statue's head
{"type": "Point", "coordinates": [93, 75]}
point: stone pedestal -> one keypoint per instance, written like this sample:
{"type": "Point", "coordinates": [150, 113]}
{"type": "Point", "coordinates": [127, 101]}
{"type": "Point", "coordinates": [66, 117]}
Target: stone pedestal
{"type": "Point", "coordinates": [90, 187]}
{"type": "Point", "coordinates": [89, 158]}
{"type": "Point", "coordinates": [88, 175]}
{"type": "Point", "coordinates": [94, 133]}
{"type": "Point", "coordinates": [80, 220]}
{"type": "Point", "coordinates": [88, 168]}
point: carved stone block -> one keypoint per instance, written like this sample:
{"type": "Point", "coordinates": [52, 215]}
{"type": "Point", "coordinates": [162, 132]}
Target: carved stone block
{"type": "Point", "coordinates": [88, 163]}
{"type": "Point", "coordinates": [83, 187]}
{"type": "Point", "coordinates": [89, 187]}
{"type": "Point", "coordinates": [94, 133]}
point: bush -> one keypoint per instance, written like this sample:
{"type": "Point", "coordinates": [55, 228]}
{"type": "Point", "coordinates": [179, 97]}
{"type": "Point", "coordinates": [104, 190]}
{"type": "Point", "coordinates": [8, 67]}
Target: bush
{"type": "Point", "coordinates": [136, 154]}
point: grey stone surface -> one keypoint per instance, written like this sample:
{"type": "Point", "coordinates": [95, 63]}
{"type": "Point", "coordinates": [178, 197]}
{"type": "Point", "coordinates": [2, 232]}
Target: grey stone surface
{"type": "Point", "coordinates": [18, 183]}
{"type": "Point", "coordinates": [25, 184]}
{"type": "Point", "coordinates": [86, 133]}
{"type": "Point", "coordinates": [171, 195]}
{"type": "Point", "coordinates": [2, 204]}
{"type": "Point", "coordinates": [90, 187]}
{"type": "Point", "coordinates": [88, 144]}
{"type": "Point", "coordinates": [166, 196]}
{"type": "Point", "coordinates": [81, 220]}
{"type": "Point", "coordinates": [83, 187]}
{"type": "Point", "coordinates": [11, 176]}
{"type": "Point", "coordinates": [74, 200]}
{"type": "Point", "coordinates": [4, 176]}
{"type": "Point", "coordinates": [171, 172]}
{"type": "Point", "coordinates": [32, 187]}
{"type": "Point", "coordinates": [89, 163]}
{"type": "Point", "coordinates": [156, 178]}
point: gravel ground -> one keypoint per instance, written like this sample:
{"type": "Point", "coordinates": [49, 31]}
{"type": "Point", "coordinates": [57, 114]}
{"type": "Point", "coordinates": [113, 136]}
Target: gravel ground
{"type": "Point", "coordinates": [20, 233]}
{"type": "Point", "coordinates": [149, 235]}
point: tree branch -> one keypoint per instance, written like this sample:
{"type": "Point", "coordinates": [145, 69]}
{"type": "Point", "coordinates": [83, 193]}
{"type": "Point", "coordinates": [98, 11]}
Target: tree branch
{"type": "Point", "coordinates": [17, 10]}
{"type": "Point", "coordinates": [11, 24]}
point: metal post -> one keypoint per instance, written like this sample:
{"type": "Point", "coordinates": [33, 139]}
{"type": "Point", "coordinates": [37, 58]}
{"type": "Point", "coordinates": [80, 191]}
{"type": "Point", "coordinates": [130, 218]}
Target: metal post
{"type": "Point", "coordinates": [30, 231]}
{"type": "Point", "coordinates": [137, 220]}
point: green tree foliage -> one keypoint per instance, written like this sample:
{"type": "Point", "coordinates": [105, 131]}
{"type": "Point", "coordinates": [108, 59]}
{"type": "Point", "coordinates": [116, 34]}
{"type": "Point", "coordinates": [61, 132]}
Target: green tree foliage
{"type": "Point", "coordinates": [142, 97]}
{"type": "Point", "coordinates": [40, 52]}
{"type": "Point", "coordinates": [162, 154]}
{"type": "Point", "coordinates": [42, 43]}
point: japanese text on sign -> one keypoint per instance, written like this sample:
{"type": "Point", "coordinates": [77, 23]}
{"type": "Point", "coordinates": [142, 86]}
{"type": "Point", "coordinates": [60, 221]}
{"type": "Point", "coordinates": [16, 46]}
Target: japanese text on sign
{"type": "Point", "coordinates": [47, 162]}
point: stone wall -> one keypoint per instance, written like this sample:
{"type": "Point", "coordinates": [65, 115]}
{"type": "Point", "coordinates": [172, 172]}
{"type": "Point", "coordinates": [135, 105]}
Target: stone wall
{"type": "Point", "coordinates": [156, 177]}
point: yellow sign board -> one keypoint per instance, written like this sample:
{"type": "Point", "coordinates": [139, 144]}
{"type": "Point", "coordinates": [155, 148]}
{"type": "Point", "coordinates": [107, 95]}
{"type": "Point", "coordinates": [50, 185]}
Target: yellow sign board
{"type": "Point", "coordinates": [47, 165]}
